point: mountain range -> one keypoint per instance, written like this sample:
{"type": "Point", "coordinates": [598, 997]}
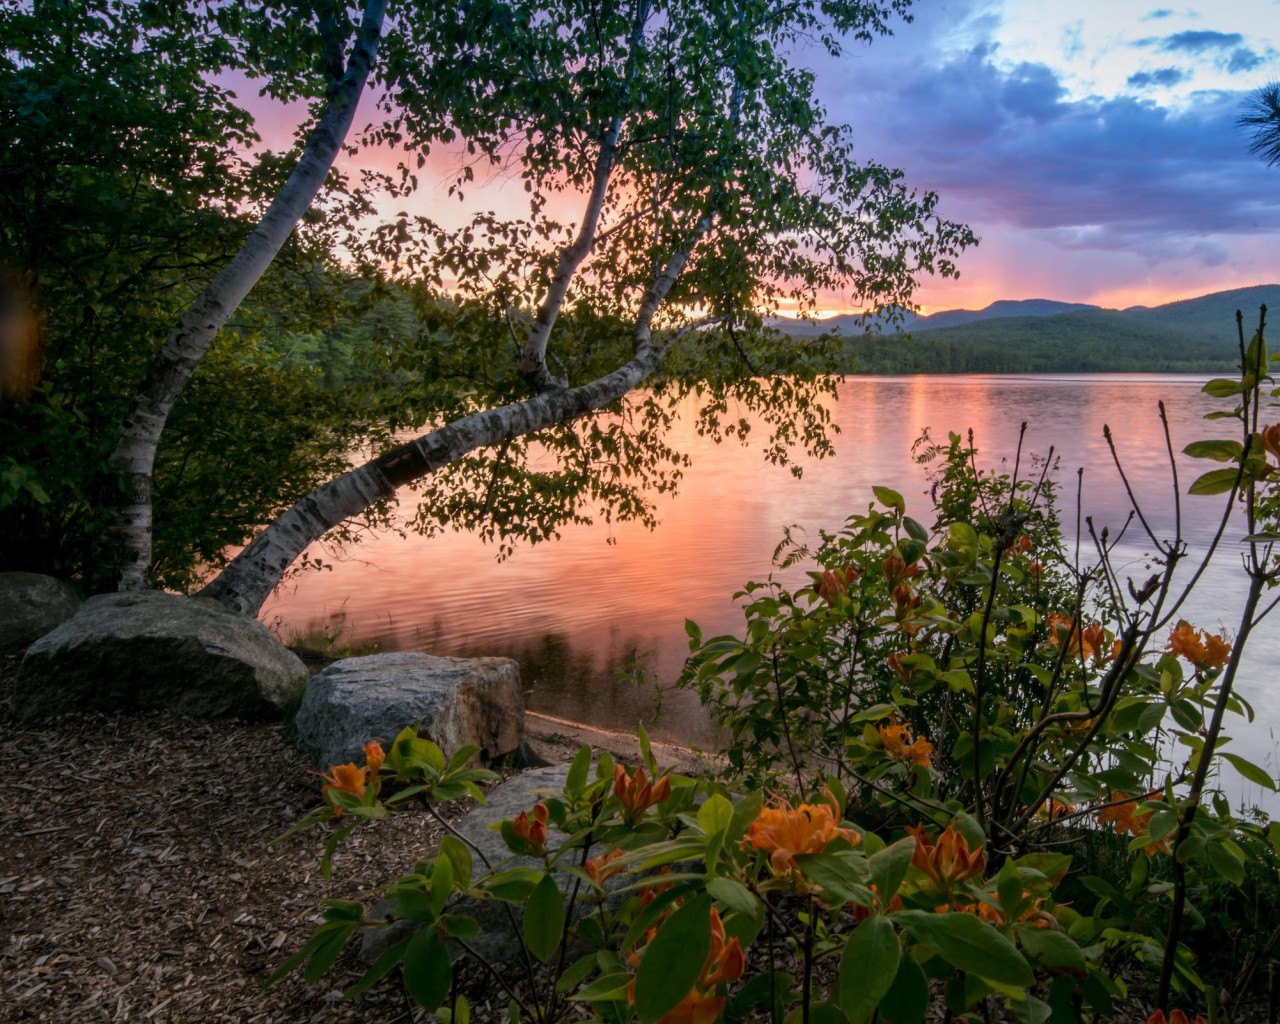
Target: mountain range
{"type": "Point", "coordinates": [1043, 335]}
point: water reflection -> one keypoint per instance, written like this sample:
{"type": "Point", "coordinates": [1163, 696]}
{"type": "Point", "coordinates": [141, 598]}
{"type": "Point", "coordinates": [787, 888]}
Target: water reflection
{"type": "Point", "coordinates": [582, 614]}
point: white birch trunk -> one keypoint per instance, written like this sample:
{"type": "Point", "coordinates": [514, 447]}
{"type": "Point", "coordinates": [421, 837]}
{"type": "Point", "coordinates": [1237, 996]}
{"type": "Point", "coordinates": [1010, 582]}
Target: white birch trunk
{"type": "Point", "coordinates": [251, 576]}
{"type": "Point", "coordinates": [533, 354]}
{"type": "Point", "coordinates": [134, 455]}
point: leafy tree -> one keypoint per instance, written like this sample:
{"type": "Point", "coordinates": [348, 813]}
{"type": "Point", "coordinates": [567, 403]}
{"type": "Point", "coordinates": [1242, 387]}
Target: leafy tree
{"type": "Point", "coordinates": [1261, 118]}
{"type": "Point", "coordinates": [713, 189]}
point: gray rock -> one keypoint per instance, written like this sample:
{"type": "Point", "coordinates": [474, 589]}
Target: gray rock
{"type": "Point", "coordinates": [30, 606]}
{"type": "Point", "coordinates": [454, 702]}
{"type": "Point", "coordinates": [497, 939]}
{"type": "Point", "coordinates": [152, 650]}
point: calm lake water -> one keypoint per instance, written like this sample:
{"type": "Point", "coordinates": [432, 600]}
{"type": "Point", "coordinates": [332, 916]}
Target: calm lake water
{"type": "Point", "coordinates": [582, 614]}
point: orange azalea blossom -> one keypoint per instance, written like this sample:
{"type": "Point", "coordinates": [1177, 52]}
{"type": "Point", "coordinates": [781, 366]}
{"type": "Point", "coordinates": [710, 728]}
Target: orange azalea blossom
{"type": "Point", "coordinates": [650, 892]}
{"type": "Point", "coordinates": [1203, 650]}
{"type": "Point", "coordinates": [897, 667]}
{"type": "Point", "coordinates": [705, 1002]}
{"type": "Point", "coordinates": [1177, 1017]}
{"type": "Point", "coordinates": [603, 867]}
{"type": "Point", "coordinates": [345, 778]}
{"type": "Point", "coordinates": [896, 569]}
{"type": "Point", "coordinates": [785, 832]}
{"type": "Point", "coordinates": [374, 756]}
{"type": "Point", "coordinates": [904, 601]}
{"type": "Point", "coordinates": [636, 793]}
{"type": "Point", "coordinates": [1023, 544]}
{"type": "Point", "coordinates": [835, 583]}
{"type": "Point", "coordinates": [1035, 916]}
{"type": "Point", "coordinates": [532, 828]}
{"type": "Point", "coordinates": [899, 746]}
{"type": "Point", "coordinates": [1271, 439]}
{"type": "Point", "coordinates": [949, 860]}
{"type": "Point", "coordinates": [1055, 809]}
{"type": "Point", "coordinates": [1126, 817]}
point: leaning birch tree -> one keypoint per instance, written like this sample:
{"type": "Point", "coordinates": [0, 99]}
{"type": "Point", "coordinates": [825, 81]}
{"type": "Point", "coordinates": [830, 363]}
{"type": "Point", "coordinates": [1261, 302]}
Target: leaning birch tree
{"type": "Point", "coordinates": [712, 189]}
{"type": "Point", "coordinates": [348, 51]}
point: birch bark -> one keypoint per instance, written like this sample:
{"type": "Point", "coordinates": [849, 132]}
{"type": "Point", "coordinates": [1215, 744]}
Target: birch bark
{"type": "Point", "coordinates": [133, 458]}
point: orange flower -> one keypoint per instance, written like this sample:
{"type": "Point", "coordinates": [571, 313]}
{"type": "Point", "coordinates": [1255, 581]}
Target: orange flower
{"type": "Point", "coordinates": [1125, 816]}
{"type": "Point", "coordinates": [1177, 1017]}
{"type": "Point", "coordinates": [603, 867]}
{"type": "Point", "coordinates": [1271, 439]}
{"type": "Point", "coordinates": [344, 778]}
{"type": "Point", "coordinates": [1203, 650]}
{"type": "Point", "coordinates": [786, 832]}
{"type": "Point", "coordinates": [949, 860]}
{"type": "Point", "coordinates": [636, 793]}
{"type": "Point", "coordinates": [899, 746]}
{"type": "Point", "coordinates": [374, 755]}
{"type": "Point", "coordinates": [835, 583]}
{"type": "Point", "coordinates": [1055, 809]}
{"type": "Point", "coordinates": [897, 667]}
{"type": "Point", "coordinates": [1023, 544]}
{"type": "Point", "coordinates": [533, 828]}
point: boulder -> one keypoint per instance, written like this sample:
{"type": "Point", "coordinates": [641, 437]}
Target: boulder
{"type": "Point", "coordinates": [497, 939]}
{"type": "Point", "coordinates": [152, 650]}
{"type": "Point", "coordinates": [454, 702]}
{"type": "Point", "coordinates": [30, 606]}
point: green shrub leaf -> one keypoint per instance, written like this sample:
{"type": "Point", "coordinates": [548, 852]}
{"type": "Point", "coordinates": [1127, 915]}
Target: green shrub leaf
{"type": "Point", "coordinates": [867, 967]}
{"type": "Point", "coordinates": [969, 944]}
{"type": "Point", "coordinates": [673, 961]}
{"type": "Point", "coordinates": [544, 919]}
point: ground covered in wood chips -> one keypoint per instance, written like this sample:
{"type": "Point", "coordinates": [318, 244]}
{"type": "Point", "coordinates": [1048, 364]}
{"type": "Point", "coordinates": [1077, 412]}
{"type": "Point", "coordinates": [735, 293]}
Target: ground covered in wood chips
{"type": "Point", "coordinates": [138, 881]}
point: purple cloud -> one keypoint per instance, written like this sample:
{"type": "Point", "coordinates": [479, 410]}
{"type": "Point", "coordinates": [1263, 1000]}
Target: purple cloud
{"type": "Point", "coordinates": [1007, 147]}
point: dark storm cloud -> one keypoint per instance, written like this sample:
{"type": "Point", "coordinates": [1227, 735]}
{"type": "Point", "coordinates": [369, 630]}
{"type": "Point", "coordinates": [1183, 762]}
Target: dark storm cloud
{"type": "Point", "coordinates": [1008, 146]}
{"type": "Point", "coordinates": [1160, 77]}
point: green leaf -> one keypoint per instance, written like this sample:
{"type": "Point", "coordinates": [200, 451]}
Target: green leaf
{"type": "Point", "coordinates": [459, 855]}
{"type": "Point", "coordinates": [1216, 481]}
{"type": "Point", "coordinates": [544, 919]}
{"type": "Point", "coordinates": [867, 967]}
{"type": "Point", "coordinates": [915, 530]}
{"type": "Point", "coordinates": [1227, 859]}
{"type": "Point", "coordinates": [969, 944]}
{"type": "Point", "coordinates": [1050, 948]}
{"type": "Point", "coordinates": [907, 1000]}
{"type": "Point", "coordinates": [1223, 387]}
{"type": "Point", "coordinates": [576, 781]}
{"type": "Point", "coordinates": [890, 498]}
{"type": "Point", "coordinates": [715, 814]}
{"type": "Point", "coordinates": [842, 874]}
{"type": "Point", "coordinates": [1219, 451]}
{"type": "Point", "coordinates": [1253, 772]}
{"type": "Point", "coordinates": [889, 868]}
{"type": "Point", "coordinates": [389, 958]}
{"type": "Point", "coordinates": [605, 988]}
{"type": "Point", "coordinates": [427, 970]}
{"type": "Point", "coordinates": [673, 961]}
{"type": "Point", "coordinates": [733, 896]}
{"type": "Point", "coordinates": [576, 973]}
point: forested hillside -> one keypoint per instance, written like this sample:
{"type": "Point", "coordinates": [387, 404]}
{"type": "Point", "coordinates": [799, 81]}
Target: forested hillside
{"type": "Point", "coordinates": [1189, 336]}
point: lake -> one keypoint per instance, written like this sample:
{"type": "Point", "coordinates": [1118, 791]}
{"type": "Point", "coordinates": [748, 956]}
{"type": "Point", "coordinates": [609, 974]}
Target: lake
{"type": "Point", "coordinates": [588, 614]}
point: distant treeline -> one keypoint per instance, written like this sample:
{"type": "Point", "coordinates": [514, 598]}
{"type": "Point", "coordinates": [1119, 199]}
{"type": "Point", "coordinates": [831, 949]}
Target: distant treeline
{"type": "Point", "coordinates": [1094, 341]}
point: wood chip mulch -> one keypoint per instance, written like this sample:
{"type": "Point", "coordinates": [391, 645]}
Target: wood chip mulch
{"type": "Point", "coordinates": [138, 881]}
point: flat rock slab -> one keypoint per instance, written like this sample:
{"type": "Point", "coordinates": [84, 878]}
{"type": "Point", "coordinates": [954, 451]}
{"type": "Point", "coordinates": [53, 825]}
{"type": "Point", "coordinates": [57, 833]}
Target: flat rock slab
{"type": "Point", "coordinates": [454, 702]}
{"type": "Point", "coordinates": [30, 606]}
{"type": "Point", "coordinates": [497, 939]}
{"type": "Point", "coordinates": [152, 650]}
